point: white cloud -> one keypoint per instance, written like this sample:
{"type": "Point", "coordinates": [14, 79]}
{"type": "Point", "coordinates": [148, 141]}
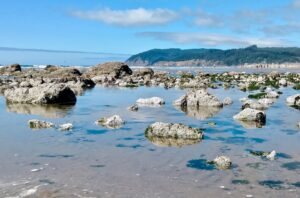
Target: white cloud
{"type": "Point", "coordinates": [205, 19]}
{"type": "Point", "coordinates": [209, 39]}
{"type": "Point", "coordinates": [132, 17]}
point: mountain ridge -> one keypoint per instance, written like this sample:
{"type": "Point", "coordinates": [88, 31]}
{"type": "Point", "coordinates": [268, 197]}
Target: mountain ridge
{"type": "Point", "coordinates": [216, 57]}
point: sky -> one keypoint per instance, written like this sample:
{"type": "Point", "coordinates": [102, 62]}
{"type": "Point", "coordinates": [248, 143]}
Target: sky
{"type": "Point", "coordinates": [86, 32]}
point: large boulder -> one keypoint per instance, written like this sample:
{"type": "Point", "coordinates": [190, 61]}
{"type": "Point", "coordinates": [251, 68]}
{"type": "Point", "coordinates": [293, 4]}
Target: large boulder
{"type": "Point", "coordinates": [251, 115]}
{"type": "Point", "coordinates": [42, 94]}
{"type": "Point", "coordinates": [293, 100]}
{"type": "Point", "coordinates": [198, 98]}
{"type": "Point", "coordinates": [170, 130]}
{"type": "Point", "coordinates": [112, 69]}
{"type": "Point", "coordinates": [10, 69]}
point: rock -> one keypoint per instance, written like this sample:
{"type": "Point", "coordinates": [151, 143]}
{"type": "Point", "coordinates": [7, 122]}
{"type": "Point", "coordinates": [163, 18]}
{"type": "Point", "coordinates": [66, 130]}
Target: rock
{"type": "Point", "coordinates": [154, 101]}
{"type": "Point", "coordinates": [112, 122]}
{"type": "Point", "coordinates": [227, 101]}
{"type": "Point", "coordinates": [42, 94]}
{"type": "Point", "coordinates": [222, 162]}
{"type": "Point", "coordinates": [293, 100]}
{"type": "Point", "coordinates": [10, 69]}
{"type": "Point", "coordinates": [272, 94]}
{"type": "Point", "coordinates": [282, 82]}
{"type": "Point", "coordinates": [198, 98]}
{"type": "Point", "coordinates": [113, 69]}
{"type": "Point", "coordinates": [268, 155]}
{"type": "Point", "coordinates": [299, 124]}
{"type": "Point", "coordinates": [251, 115]}
{"type": "Point", "coordinates": [271, 156]}
{"type": "Point", "coordinates": [133, 108]}
{"type": "Point", "coordinates": [143, 72]}
{"type": "Point", "coordinates": [66, 127]}
{"type": "Point", "coordinates": [38, 124]}
{"type": "Point", "coordinates": [170, 130]}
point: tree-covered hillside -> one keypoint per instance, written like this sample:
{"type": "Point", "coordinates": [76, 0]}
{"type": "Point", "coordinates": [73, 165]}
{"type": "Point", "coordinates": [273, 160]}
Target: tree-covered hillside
{"type": "Point", "coordinates": [249, 55]}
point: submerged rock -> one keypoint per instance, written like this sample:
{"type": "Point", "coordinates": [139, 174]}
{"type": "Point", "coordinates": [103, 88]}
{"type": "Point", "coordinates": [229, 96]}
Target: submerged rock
{"type": "Point", "coordinates": [293, 100]}
{"type": "Point", "coordinates": [251, 115]}
{"type": "Point", "coordinates": [66, 127]}
{"type": "Point", "coordinates": [38, 124]}
{"type": "Point", "coordinates": [113, 122]}
{"type": "Point", "coordinates": [42, 94]}
{"type": "Point", "coordinates": [268, 155]}
{"type": "Point", "coordinates": [133, 107]}
{"type": "Point", "coordinates": [227, 101]}
{"type": "Point", "coordinates": [198, 98]}
{"type": "Point", "coordinates": [222, 162]}
{"type": "Point", "coordinates": [154, 101]}
{"type": "Point", "coordinates": [170, 130]}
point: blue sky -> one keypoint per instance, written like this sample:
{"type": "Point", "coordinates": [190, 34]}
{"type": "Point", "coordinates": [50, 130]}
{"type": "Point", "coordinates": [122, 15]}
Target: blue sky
{"type": "Point", "coordinates": [119, 28]}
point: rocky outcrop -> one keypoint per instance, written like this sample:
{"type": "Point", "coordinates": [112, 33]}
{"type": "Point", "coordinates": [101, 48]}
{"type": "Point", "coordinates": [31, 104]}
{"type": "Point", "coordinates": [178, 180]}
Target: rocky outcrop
{"type": "Point", "coordinates": [141, 72]}
{"type": "Point", "coordinates": [251, 115]}
{"type": "Point", "coordinates": [198, 98]}
{"type": "Point", "coordinates": [154, 101]}
{"type": "Point", "coordinates": [38, 124]}
{"type": "Point", "coordinates": [10, 69]}
{"type": "Point", "coordinates": [293, 100]}
{"type": "Point", "coordinates": [113, 122]}
{"type": "Point", "coordinates": [170, 130]}
{"type": "Point", "coordinates": [42, 94]}
{"type": "Point", "coordinates": [111, 69]}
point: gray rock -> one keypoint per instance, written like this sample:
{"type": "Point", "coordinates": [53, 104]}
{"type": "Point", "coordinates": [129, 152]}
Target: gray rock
{"type": "Point", "coordinates": [66, 127]}
{"type": "Point", "coordinates": [154, 101]}
{"type": "Point", "coordinates": [198, 98]}
{"type": "Point", "coordinates": [227, 101]}
{"type": "Point", "coordinates": [38, 124]}
{"type": "Point", "coordinates": [113, 69]}
{"type": "Point", "coordinates": [133, 107]}
{"type": "Point", "coordinates": [251, 115]}
{"type": "Point", "coordinates": [222, 162]}
{"type": "Point", "coordinates": [10, 69]}
{"type": "Point", "coordinates": [170, 130]}
{"type": "Point", "coordinates": [293, 100]}
{"type": "Point", "coordinates": [143, 72]}
{"type": "Point", "coordinates": [113, 122]}
{"type": "Point", "coordinates": [42, 94]}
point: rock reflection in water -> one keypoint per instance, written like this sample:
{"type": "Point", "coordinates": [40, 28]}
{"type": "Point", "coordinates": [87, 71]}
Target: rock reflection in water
{"type": "Point", "coordinates": [48, 111]}
{"type": "Point", "coordinates": [172, 142]}
{"type": "Point", "coordinates": [250, 124]}
{"type": "Point", "coordinates": [201, 112]}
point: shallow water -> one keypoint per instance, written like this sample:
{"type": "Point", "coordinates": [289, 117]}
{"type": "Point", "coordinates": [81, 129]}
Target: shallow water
{"type": "Point", "coordinates": [92, 161]}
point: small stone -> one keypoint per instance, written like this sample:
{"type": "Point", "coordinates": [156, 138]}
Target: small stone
{"type": "Point", "coordinates": [66, 127]}
{"type": "Point", "coordinates": [227, 101]}
{"type": "Point", "coordinates": [271, 156]}
{"type": "Point", "coordinates": [38, 124]}
{"type": "Point", "coordinates": [222, 162]}
{"type": "Point", "coordinates": [112, 122]}
{"type": "Point", "coordinates": [154, 101]}
{"type": "Point", "coordinates": [133, 108]}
